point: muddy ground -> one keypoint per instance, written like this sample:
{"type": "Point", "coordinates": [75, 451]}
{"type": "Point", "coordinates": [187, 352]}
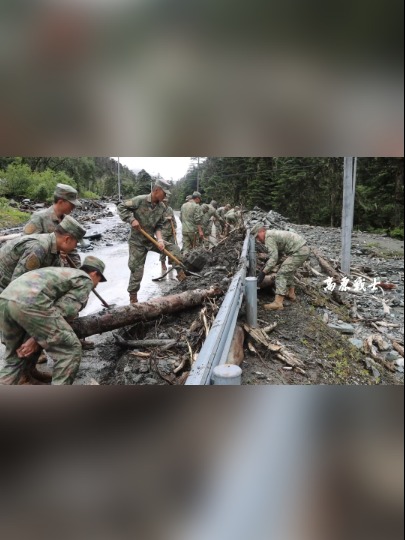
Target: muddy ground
{"type": "Point", "coordinates": [329, 357]}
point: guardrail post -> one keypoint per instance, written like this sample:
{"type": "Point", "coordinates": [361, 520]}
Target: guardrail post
{"type": "Point", "coordinates": [251, 301]}
{"type": "Point", "coordinates": [228, 374]}
{"type": "Point", "coordinates": [252, 257]}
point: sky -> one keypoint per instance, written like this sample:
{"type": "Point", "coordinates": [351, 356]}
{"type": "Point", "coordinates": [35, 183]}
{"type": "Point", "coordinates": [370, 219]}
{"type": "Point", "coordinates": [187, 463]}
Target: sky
{"type": "Point", "coordinates": [170, 168]}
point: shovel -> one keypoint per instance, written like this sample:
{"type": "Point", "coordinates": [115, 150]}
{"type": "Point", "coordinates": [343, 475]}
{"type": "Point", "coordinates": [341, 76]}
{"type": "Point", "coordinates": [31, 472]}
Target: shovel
{"type": "Point", "coordinates": [72, 265]}
{"type": "Point", "coordinates": [167, 253]}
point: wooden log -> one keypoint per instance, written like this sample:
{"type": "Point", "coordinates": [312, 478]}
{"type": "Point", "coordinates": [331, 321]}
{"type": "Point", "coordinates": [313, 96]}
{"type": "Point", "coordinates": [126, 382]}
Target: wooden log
{"type": "Point", "coordinates": [236, 354]}
{"type": "Point", "coordinates": [135, 343]}
{"type": "Point", "coordinates": [326, 267]}
{"type": "Point", "coordinates": [144, 311]}
{"type": "Point", "coordinates": [8, 237]}
{"type": "Point", "coordinates": [398, 348]}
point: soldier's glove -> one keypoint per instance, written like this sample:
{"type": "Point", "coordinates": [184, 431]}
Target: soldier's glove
{"type": "Point", "coordinates": [260, 278]}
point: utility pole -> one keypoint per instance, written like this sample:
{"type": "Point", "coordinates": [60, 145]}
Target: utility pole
{"type": "Point", "coordinates": [349, 191]}
{"type": "Point", "coordinates": [119, 181]}
{"type": "Point", "coordinates": [198, 174]}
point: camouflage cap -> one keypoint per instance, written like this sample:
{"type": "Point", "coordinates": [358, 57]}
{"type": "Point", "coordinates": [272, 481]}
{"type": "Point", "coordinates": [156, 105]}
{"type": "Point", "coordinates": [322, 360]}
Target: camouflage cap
{"type": "Point", "coordinates": [214, 204]}
{"type": "Point", "coordinates": [73, 227]}
{"type": "Point", "coordinates": [196, 195]}
{"type": "Point", "coordinates": [256, 228]}
{"type": "Point", "coordinates": [188, 197]}
{"type": "Point", "coordinates": [163, 186]}
{"type": "Point", "coordinates": [97, 264]}
{"type": "Point", "coordinates": [68, 193]}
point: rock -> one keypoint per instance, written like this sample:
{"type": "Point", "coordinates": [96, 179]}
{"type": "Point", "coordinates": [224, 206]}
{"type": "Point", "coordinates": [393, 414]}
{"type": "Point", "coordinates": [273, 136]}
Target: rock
{"type": "Point", "coordinates": [358, 343]}
{"type": "Point", "coordinates": [392, 356]}
{"type": "Point", "coordinates": [150, 380]}
{"type": "Point", "coordinates": [343, 328]}
{"type": "Point", "coordinates": [399, 362]}
{"type": "Point", "coordinates": [137, 378]}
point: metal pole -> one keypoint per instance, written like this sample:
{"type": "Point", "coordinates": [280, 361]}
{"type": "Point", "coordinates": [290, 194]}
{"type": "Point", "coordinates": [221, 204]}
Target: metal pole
{"type": "Point", "coordinates": [349, 190]}
{"type": "Point", "coordinates": [251, 301]}
{"type": "Point", "coordinates": [198, 174]}
{"type": "Point", "coordinates": [119, 181]}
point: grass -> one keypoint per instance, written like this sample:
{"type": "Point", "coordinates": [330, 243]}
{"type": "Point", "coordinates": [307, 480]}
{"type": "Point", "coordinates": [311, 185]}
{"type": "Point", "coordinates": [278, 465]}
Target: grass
{"type": "Point", "coordinates": [9, 216]}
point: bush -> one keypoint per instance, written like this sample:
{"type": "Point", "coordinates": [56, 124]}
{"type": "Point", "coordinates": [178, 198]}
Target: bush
{"type": "Point", "coordinates": [397, 233]}
{"type": "Point", "coordinates": [89, 195]}
{"type": "Point", "coordinates": [16, 180]}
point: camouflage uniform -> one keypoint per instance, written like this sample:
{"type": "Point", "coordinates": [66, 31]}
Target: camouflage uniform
{"type": "Point", "coordinates": [151, 218]}
{"type": "Point", "coordinates": [233, 216]}
{"type": "Point", "coordinates": [46, 221]}
{"type": "Point", "coordinates": [209, 212]}
{"type": "Point", "coordinates": [191, 216]}
{"type": "Point", "coordinates": [221, 211]}
{"type": "Point", "coordinates": [27, 253]}
{"type": "Point", "coordinates": [167, 231]}
{"type": "Point", "coordinates": [280, 243]}
{"type": "Point", "coordinates": [38, 304]}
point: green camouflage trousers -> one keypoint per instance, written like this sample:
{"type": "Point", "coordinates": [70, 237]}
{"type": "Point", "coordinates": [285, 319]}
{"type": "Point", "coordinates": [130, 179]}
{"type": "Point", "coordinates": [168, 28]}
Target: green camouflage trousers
{"type": "Point", "coordinates": [136, 262]}
{"type": "Point", "coordinates": [169, 240]}
{"type": "Point", "coordinates": [190, 241]}
{"type": "Point", "coordinates": [285, 276]}
{"type": "Point", "coordinates": [18, 322]}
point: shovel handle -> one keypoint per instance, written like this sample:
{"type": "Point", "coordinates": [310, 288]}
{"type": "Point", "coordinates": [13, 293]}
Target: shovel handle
{"type": "Point", "coordinates": [170, 255]}
{"type": "Point", "coordinates": [72, 265]}
{"type": "Point", "coordinates": [174, 232]}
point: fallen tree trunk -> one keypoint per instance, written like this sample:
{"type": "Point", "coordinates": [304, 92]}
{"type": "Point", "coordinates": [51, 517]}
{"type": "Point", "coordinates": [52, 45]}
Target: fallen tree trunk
{"type": "Point", "coordinates": [8, 237]}
{"type": "Point", "coordinates": [112, 319]}
{"type": "Point", "coordinates": [326, 267]}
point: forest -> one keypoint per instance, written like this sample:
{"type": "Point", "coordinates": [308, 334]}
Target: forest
{"type": "Point", "coordinates": [305, 190]}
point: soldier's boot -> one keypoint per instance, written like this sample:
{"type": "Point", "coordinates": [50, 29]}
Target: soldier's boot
{"type": "Point", "coordinates": [181, 276]}
{"type": "Point", "coordinates": [277, 304]}
{"type": "Point", "coordinates": [291, 294]}
{"type": "Point", "coordinates": [133, 298]}
{"type": "Point", "coordinates": [164, 267]}
{"type": "Point", "coordinates": [41, 376]}
{"type": "Point", "coordinates": [42, 358]}
{"type": "Point", "coordinates": [87, 345]}
{"type": "Point", "coordinates": [28, 378]}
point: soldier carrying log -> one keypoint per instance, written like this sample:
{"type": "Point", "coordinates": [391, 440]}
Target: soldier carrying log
{"type": "Point", "coordinates": [35, 311]}
{"type": "Point", "coordinates": [278, 244]}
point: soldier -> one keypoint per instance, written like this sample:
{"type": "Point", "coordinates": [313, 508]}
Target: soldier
{"type": "Point", "coordinates": [146, 211]}
{"type": "Point", "coordinates": [278, 244]}
{"type": "Point", "coordinates": [233, 217]}
{"type": "Point", "coordinates": [46, 221]}
{"type": "Point", "coordinates": [222, 210]}
{"type": "Point", "coordinates": [210, 215]}
{"type": "Point", "coordinates": [38, 250]}
{"type": "Point", "coordinates": [35, 310]}
{"type": "Point", "coordinates": [191, 219]}
{"type": "Point", "coordinates": [168, 231]}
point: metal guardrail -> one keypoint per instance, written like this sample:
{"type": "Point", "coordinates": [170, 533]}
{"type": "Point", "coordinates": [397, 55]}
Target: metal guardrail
{"type": "Point", "coordinates": [216, 347]}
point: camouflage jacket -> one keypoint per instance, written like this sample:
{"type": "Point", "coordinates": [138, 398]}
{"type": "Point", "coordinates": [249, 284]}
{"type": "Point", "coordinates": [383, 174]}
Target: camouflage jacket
{"type": "Point", "coordinates": [279, 243]}
{"type": "Point", "coordinates": [167, 224]}
{"type": "Point", "coordinates": [233, 216]}
{"type": "Point", "coordinates": [150, 216]}
{"type": "Point", "coordinates": [46, 221]}
{"type": "Point", "coordinates": [27, 253]}
{"type": "Point", "coordinates": [208, 212]}
{"type": "Point", "coordinates": [191, 216]}
{"type": "Point", "coordinates": [63, 289]}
